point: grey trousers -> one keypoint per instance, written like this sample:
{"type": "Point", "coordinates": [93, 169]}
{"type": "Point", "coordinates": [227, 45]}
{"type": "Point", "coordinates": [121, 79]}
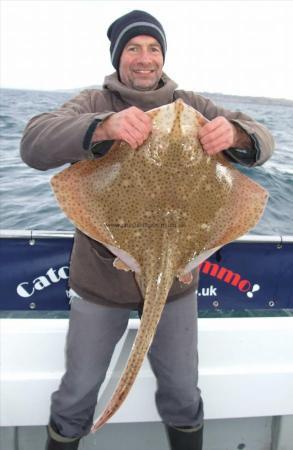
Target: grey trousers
{"type": "Point", "coordinates": [94, 331]}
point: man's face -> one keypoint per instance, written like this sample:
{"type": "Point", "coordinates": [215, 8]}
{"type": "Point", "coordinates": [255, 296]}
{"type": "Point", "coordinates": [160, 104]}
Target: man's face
{"type": "Point", "coordinates": [141, 63]}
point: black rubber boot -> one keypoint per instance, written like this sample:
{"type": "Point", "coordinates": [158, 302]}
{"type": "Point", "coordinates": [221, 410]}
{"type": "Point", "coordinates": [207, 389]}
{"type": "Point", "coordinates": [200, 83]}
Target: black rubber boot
{"type": "Point", "coordinates": [185, 438]}
{"type": "Point", "coordinates": [56, 445]}
{"type": "Point", "coordinates": [53, 444]}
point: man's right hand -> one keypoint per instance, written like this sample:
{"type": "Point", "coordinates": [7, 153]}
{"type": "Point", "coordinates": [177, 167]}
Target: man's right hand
{"type": "Point", "coordinates": [131, 125]}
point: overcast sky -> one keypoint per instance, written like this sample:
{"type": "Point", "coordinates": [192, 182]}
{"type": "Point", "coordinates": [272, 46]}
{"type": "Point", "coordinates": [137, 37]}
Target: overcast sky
{"type": "Point", "coordinates": [232, 47]}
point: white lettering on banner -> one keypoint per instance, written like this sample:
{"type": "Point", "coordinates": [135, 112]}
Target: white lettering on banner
{"type": "Point", "coordinates": [52, 276]}
{"type": "Point", "coordinates": [40, 283]}
{"type": "Point", "coordinates": [255, 288]}
{"type": "Point", "coordinates": [22, 291]}
{"type": "Point", "coordinates": [207, 292]}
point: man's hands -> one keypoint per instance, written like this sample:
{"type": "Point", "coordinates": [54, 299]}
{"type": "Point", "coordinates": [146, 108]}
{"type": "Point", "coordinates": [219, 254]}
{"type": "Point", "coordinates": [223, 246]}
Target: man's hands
{"type": "Point", "coordinates": [220, 134]}
{"type": "Point", "coordinates": [134, 126]}
{"type": "Point", "coordinates": [217, 135]}
{"type": "Point", "coordinates": [130, 125]}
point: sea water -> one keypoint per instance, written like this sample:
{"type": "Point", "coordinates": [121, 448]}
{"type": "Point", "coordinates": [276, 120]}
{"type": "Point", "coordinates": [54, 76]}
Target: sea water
{"type": "Point", "coordinates": [27, 201]}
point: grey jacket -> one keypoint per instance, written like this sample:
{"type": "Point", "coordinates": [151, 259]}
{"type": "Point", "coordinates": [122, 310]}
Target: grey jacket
{"type": "Point", "coordinates": [64, 136]}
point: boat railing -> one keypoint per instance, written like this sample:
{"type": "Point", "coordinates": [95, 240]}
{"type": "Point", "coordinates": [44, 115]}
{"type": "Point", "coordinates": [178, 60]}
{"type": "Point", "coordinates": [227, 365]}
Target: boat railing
{"type": "Point", "coordinates": [39, 234]}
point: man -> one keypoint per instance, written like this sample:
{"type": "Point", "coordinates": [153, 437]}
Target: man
{"type": "Point", "coordinates": [84, 128]}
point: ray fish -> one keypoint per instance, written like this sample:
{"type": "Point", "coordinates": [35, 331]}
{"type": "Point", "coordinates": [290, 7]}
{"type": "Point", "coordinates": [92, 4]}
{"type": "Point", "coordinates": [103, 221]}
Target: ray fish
{"type": "Point", "coordinates": [161, 210]}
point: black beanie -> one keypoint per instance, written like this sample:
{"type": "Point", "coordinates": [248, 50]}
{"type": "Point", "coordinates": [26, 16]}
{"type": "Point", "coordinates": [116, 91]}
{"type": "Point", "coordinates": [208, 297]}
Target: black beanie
{"type": "Point", "coordinates": [130, 25]}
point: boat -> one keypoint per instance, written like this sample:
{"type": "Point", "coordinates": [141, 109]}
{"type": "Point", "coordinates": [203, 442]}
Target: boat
{"type": "Point", "coordinates": [245, 303]}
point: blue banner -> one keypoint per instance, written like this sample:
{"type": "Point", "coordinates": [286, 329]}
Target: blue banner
{"type": "Point", "coordinates": [240, 276]}
{"type": "Point", "coordinates": [35, 273]}
{"type": "Point", "coordinates": [248, 276]}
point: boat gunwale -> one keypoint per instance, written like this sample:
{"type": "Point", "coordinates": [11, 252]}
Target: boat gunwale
{"type": "Point", "coordinates": [47, 234]}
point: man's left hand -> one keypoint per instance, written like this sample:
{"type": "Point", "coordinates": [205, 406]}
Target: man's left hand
{"type": "Point", "coordinates": [217, 135]}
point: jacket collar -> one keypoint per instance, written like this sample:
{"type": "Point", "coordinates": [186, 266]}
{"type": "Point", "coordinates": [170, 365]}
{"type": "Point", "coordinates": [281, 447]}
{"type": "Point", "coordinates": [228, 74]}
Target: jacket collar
{"type": "Point", "coordinates": [144, 100]}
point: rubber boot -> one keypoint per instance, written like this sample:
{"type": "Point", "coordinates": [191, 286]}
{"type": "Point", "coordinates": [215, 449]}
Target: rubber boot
{"type": "Point", "coordinates": [56, 444]}
{"type": "Point", "coordinates": [185, 438]}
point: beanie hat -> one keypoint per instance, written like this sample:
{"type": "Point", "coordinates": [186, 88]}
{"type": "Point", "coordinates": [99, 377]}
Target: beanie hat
{"type": "Point", "coordinates": [130, 25]}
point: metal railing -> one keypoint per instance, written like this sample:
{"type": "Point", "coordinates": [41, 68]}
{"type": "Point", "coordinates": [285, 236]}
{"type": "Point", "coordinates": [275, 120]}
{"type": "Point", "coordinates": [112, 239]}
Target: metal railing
{"type": "Point", "coordinates": [45, 234]}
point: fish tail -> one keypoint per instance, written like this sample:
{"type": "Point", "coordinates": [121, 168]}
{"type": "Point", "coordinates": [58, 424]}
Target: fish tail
{"type": "Point", "coordinates": [156, 292]}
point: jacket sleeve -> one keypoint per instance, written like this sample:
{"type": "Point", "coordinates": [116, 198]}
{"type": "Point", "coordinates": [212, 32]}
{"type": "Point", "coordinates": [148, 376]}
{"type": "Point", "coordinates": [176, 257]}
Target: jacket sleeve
{"type": "Point", "coordinates": [63, 136]}
{"type": "Point", "coordinates": [262, 142]}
